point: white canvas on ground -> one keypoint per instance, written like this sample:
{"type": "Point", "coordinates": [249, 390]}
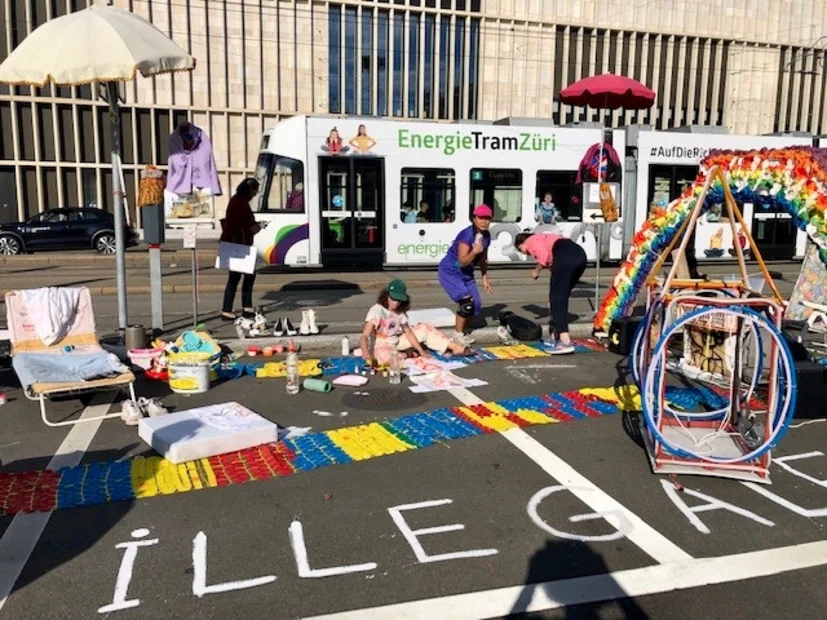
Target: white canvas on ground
{"type": "Point", "coordinates": [438, 317]}
{"type": "Point", "coordinates": [206, 431]}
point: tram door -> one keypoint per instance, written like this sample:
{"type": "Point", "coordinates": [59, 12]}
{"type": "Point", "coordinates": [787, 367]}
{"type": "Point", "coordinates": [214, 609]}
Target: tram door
{"type": "Point", "coordinates": [352, 209]}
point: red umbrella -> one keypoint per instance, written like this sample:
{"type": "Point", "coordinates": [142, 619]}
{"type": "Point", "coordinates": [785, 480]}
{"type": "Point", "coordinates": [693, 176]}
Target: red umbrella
{"type": "Point", "coordinates": [609, 92]}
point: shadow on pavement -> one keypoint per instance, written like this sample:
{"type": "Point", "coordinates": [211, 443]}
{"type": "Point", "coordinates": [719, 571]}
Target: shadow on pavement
{"type": "Point", "coordinates": [560, 558]}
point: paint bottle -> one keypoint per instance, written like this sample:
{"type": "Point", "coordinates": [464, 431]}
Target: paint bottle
{"type": "Point", "coordinates": [345, 346]}
{"type": "Point", "coordinates": [478, 238]}
{"type": "Point", "coordinates": [292, 370]}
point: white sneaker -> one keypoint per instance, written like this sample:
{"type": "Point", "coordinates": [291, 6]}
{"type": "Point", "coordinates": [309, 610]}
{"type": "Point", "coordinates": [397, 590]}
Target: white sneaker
{"type": "Point", "coordinates": [152, 407]}
{"type": "Point", "coordinates": [311, 320]}
{"type": "Point", "coordinates": [463, 339]}
{"type": "Point", "coordinates": [131, 413]}
{"type": "Point", "coordinates": [304, 328]}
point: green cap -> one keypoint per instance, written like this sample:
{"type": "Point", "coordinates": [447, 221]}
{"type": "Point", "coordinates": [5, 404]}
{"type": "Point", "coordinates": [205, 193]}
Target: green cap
{"type": "Point", "coordinates": [397, 290]}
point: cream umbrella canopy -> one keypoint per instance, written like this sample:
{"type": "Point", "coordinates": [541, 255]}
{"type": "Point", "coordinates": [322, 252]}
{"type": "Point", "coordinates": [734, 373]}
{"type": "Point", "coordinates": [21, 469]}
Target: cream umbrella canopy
{"type": "Point", "coordinates": [99, 44]}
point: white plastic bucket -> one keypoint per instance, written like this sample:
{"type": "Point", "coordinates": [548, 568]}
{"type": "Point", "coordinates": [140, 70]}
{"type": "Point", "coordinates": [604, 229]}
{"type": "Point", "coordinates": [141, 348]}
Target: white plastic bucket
{"type": "Point", "coordinates": [189, 378]}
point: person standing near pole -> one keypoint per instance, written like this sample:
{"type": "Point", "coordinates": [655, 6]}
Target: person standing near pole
{"type": "Point", "coordinates": [567, 261]}
{"type": "Point", "coordinates": [456, 271]}
{"type": "Point", "coordinates": [240, 226]}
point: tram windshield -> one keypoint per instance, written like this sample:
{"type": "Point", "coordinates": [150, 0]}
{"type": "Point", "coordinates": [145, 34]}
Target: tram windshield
{"type": "Point", "coordinates": [282, 184]}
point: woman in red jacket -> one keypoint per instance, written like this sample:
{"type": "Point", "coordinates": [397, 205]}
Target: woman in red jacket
{"type": "Point", "coordinates": [239, 226]}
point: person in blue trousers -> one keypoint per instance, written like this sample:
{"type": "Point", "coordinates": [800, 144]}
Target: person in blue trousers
{"type": "Point", "coordinates": [456, 271]}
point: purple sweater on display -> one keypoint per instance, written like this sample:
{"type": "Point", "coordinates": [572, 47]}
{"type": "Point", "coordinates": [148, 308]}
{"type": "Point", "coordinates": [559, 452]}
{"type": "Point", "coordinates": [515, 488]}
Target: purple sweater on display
{"type": "Point", "coordinates": [191, 162]}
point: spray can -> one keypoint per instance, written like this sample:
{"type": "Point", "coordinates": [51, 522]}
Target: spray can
{"type": "Point", "coordinates": [292, 370]}
{"type": "Point", "coordinates": [478, 238]}
{"type": "Point", "coordinates": [345, 346]}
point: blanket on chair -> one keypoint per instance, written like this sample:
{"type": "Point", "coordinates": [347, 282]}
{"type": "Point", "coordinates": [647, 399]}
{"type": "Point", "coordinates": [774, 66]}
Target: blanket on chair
{"type": "Point", "coordinates": [65, 368]}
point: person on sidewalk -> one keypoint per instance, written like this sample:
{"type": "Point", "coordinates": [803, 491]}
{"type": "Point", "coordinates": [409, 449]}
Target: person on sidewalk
{"type": "Point", "coordinates": [567, 261]}
{"type": "Point", "coordinates": [240, 226]}
{"type": "Point", "coordinates": [387, 319]}
{"type": "Point", "coordinates": [456, 271]}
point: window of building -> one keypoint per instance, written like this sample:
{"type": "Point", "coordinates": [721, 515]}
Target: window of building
{"type": "Point", "coordinates": [281, 182]}
{"type": "Point", "coordinates": [350, 60]}
{"type": "Point", "coordinates": [358, 58]}
{"type": "Point", "coordinates": [398, 61]}
{"type": "Point", "coordinates": [413, 65]}
{"type": "Point", "coordinates": [559, 184]}
{"type": "Point", "coordinates": [366, 59]}
{"type": "Point", "coordinates": [382, 64]}
{"type": "Point", "coordinates": [334, 30]}
{"type": "Point", "coordinates": [428, 195]}
{"type": "Point", "coordinates": [499, 188]}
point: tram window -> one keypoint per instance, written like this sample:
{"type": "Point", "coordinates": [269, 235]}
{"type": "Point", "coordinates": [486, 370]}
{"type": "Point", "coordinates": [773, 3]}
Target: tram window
{"type": "Point", "coordinates": [427, 195]}
{"type": "Point", "coordinates": [559, 185]}
{"type": "Point", "coordinates": [499, 188]}
{"type": "Point", "coordinates": [282, 184]}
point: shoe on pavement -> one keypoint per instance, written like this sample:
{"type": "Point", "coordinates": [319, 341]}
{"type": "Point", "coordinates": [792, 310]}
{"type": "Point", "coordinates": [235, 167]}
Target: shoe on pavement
{"type": "Point", "coordinates": [557, 347]}
{"type": "Point", "coordinates": [288, 327]}
{"type": "Point", "coordinates": [278, 330]}
{"type": "Point", "coordinates": [311, 318]}
{"type": "Point", "coordinates": [304, 328]}
{"type": "Point", "coordinates": [463, 339]}
{"type": "Point", "coordinates": [131, 413]}
{"type": "Point", "coordinates": [152, 407]}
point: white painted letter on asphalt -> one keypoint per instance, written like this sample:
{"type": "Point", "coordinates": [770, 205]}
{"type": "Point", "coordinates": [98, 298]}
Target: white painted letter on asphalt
{"type": "Point", "coordinates": [303, 564]}
{"type": "Point", "coordinates": [617, 519]}
{"type": "Point", "coordinates": [119, 600]}
{"type": "Point", "coordinates": [199, 575]}
{"type": "Point", "coordinates": [412, 535]}
{"type": "Point", "coordinates": [712, 503]}
{"type": "Point", "coordinates": [809, 513]}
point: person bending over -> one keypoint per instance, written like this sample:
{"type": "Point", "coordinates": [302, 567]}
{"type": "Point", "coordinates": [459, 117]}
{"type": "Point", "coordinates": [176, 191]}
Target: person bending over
{"type": "Point", "coordinates": [567, 261]}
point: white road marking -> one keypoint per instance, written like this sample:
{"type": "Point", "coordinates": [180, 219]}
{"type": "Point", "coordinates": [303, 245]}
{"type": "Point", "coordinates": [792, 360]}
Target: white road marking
{"type": "Point", "coordinates": [633, 583]}
{"type": "Point", "coordinates": [24, 531]}
{"type": "Point", "coordinates": [642, 534]}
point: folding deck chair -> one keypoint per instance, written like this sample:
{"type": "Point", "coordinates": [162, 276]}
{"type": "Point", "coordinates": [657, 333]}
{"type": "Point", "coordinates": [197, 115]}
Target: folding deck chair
{"type": "Point", "coordinates": [81, 336]}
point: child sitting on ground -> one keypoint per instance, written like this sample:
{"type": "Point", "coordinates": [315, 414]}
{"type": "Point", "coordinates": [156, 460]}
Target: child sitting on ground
{"type": "Point", "coordinates": [388, 319]}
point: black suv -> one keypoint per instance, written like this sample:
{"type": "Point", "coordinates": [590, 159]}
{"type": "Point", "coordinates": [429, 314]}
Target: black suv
{"type": "Point", "coordinates": [61, 229]}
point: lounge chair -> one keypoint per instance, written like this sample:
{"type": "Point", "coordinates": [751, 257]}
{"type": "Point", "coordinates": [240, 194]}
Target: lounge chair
{"type": "Point", "coordinates": [83, 340]}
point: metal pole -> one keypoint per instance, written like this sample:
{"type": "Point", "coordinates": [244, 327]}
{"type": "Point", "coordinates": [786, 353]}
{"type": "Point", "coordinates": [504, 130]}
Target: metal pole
{"type": "Point", "coordinates": [194, 294]}
{"type": "Point", "coordinates": [155, 289]}
{"type": "Point", "coordinates": [117, 193]}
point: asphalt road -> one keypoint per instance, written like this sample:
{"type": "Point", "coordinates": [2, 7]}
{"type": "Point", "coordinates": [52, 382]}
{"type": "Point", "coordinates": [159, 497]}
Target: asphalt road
{"type": "Point", "coordinates": [554, 514]}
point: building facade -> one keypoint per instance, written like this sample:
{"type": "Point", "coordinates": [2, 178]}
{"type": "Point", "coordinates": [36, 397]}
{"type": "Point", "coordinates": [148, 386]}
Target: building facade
{"type": "Point", "coordinates": [751, 65]}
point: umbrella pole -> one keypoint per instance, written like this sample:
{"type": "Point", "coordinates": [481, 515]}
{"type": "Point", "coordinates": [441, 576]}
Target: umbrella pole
{"type": "Point", "coordinates": [117, 193]}
{"type": "Point", "coordinates": [598, 232]}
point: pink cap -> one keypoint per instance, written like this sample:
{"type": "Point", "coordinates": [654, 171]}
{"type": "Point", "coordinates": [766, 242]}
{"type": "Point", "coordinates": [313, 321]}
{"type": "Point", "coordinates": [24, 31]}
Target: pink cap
{"type": "Point", "coordinates": [483, 211]}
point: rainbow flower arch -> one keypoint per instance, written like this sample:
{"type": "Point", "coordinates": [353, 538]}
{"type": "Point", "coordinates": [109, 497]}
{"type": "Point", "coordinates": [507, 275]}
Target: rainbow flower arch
{"type": "Point", "coordinates": [794, 179]}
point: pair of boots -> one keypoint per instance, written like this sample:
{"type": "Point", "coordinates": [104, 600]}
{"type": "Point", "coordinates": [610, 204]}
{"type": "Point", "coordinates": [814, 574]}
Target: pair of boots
{"type": "Point", "coordinates": [308, 325]}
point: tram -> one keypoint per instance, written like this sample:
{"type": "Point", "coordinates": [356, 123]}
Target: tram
{"type": "Point", "coordinates": [373, 193]}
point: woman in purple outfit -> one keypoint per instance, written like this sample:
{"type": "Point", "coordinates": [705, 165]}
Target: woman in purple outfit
{"type": "Point", "coordinates": [456, 270]}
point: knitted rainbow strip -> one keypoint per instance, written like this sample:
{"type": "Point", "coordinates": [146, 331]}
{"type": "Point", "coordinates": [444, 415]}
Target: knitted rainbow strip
{"type": "Point", "coordinates": [91, 484]}
{"type": "Point", "coordinates": [793, 179]}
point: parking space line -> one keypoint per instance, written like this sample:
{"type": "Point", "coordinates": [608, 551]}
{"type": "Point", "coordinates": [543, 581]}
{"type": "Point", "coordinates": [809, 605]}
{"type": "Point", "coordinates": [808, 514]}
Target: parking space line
{"type": "Point", "coordinates": [631, 583]}
{"type": "Point", "coordinates": [19, 540]}
{"type": "Point", "coordinates": [640, 533]}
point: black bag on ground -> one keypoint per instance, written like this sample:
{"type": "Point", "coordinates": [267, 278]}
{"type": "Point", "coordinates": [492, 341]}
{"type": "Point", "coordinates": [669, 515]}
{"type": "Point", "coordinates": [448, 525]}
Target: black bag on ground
{"type": "Point", "coordinates": [520, 327]}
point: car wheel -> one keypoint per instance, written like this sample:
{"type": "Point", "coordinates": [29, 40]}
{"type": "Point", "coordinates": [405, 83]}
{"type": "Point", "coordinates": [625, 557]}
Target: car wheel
{"type": "Point", "coordinates": [105, 243]}
{"type": "Point", "coordinates": [9, 245]}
